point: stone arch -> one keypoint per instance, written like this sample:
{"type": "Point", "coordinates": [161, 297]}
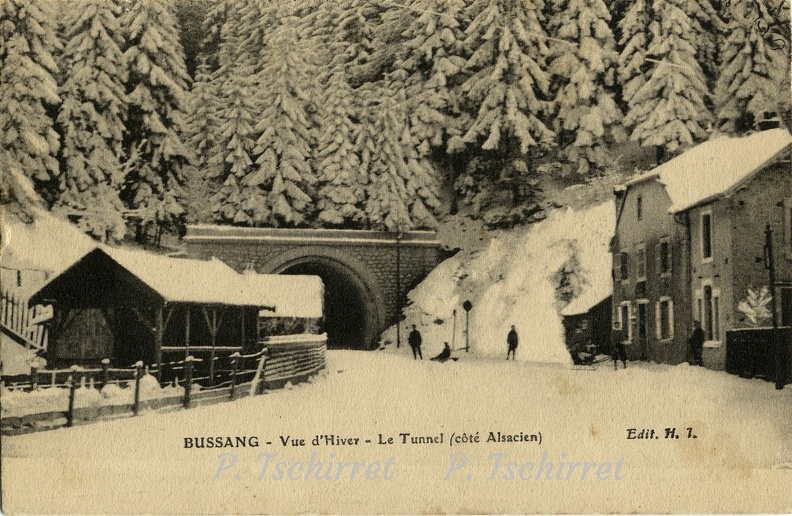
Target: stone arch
{"type": "Point", "coordinates": [348, 281]}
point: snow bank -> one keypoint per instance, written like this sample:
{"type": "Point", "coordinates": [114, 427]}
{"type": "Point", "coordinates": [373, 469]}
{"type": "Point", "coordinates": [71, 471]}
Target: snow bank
{"type": "Point", "coordinates": [14, 359]}
{"type": "Point", "coordinates": [516, 280]}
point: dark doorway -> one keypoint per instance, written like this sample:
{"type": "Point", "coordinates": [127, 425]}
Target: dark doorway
{"type": "Point", "coordinates": [786, 307]}
{"type": "Point", "coordinates": [345, 310]}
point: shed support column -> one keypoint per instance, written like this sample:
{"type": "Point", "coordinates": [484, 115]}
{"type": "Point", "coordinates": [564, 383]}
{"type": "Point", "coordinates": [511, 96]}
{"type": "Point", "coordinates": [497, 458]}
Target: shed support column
{"type": "Point", "coordinates": [186, 331]}
{"type": "Point", "coordinates": [159, 329]}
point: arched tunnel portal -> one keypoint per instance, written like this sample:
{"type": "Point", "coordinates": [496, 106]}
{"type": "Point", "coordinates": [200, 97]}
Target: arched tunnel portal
{"type": "Point", "coordinates": [351, 318]}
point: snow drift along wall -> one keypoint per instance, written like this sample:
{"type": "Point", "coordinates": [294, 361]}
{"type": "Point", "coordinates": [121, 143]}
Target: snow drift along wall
{"type": "Point", "coordinates": [516, 280]}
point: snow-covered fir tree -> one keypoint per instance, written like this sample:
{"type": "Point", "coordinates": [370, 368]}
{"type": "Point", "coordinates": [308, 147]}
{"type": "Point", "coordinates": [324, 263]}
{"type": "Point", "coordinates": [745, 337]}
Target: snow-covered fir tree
{"type": "Point", "coordinates": [341, 183]}
{"type": "Point", "coordinates": [754, 70]}
{"type": "Point", "coordinates": [29, 90]}
{"type": "Point", "coordinates": [401, 186]}
{"type": "Point", "coordinates": [587, 111]}
{"type": "Point", "coordinates": [211, 27]}
{"type": "Point", "coordinates": [257, 19]}
{"type": "Point", "coordinates": [672, 108]}
{"type": "Point", "coordinates": [506, 97]}
{"type": "Point", "coordinates": [202, 119]}
{"type": "Point", "coordinates": [434, 60]}
{"type": "Point", "coordinates": [509, 80]}
{"type": "Point", "coordinates": [632, 66]}
{"type": "Point", "coordinates": [229, 158]}
{"type": "Point", "coordinates": [355, 38]}
{"type": "Point", "coordinates": [283, 176]}
{"type": "Point", "coordinates": [91, 118]}
{"type": "Point", "coordinates": [157, 90]}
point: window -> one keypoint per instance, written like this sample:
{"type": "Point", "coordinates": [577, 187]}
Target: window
{"type": "Point", "coordinates": [708, 308]}
{"type": "Point", "coordinates": [664, 318]}
{"type": "Point", "coordinates": [664, 257]}
{"type": "Point", "coordinates": [706, 235]}
{"type": "Point", "coordinates": [640, 262]}
{"type": "Point", "coordinates": [639, 207]}
{"type": "Point", "coordinates": [624, 320]}
{"type": "Point", "coordinates": [624, 266]}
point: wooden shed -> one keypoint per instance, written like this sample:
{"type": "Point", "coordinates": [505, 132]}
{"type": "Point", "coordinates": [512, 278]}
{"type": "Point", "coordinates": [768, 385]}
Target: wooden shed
{"type": "Point", "coordinates": [130, 306]}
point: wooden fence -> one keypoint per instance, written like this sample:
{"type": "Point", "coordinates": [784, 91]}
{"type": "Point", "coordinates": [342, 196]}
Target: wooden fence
{"type": "Point", "coordinates": [21, 323]}
{"type": "Point", "coordinates": [292, 358]}
{"type": "Point", "coordinates": [752, 353]}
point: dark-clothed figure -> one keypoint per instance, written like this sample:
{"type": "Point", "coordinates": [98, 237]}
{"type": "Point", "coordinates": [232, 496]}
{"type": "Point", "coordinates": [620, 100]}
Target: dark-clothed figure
{"type": "Point", "coordinates": [513, 341]}
{"type": "Point", "coordinates": [445, 354]}
{"type": "Point", "coordinates": [415, 341]}
{"type": "Point", "coordinates": [695, 344]}
{"type": "Point", "coordinates": [618, 351]}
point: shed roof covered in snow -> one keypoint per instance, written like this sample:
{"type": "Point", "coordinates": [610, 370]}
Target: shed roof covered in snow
{"type": "Point", "coordinates": [292, 295]}
{"type": "Point", "coordinates": [115, 277]}
{"type": "Point", "coordinates": [715, 167]}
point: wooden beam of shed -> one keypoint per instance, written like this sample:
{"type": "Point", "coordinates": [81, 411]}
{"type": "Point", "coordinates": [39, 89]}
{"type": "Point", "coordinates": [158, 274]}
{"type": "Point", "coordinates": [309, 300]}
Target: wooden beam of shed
{"type": "Point", "coordinates": [144, 320]}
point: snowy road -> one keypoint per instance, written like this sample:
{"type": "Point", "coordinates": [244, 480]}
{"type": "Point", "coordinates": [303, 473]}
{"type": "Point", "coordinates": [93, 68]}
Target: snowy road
{"type": "Point", "coordinates": [743, 443]}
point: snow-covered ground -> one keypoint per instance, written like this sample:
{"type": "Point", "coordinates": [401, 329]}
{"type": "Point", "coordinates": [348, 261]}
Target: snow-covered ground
{"type": "Point", "coordinates": [740, 460]}
{"type": "Point", "coordinates": [514, 279]}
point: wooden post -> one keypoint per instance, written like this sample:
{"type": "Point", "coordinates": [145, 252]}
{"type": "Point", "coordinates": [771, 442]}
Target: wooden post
{"type": "Point", "coordinates": [159, 329]}
{"type": "Point", "coordinates": [234, 369]}
{"type": "Point", "coordinates": [258, 378]}
{"type": "Point", "coordinates": [213, 323]}
{"type": "Point", "coordinates": [72, 389]}
{"type": "Point", "coordinates": [136, 404]}
{"type": "Point", "coordinates": [187, 380]}
{"type": "Point", "coordinates": [105, 371]}
{"type": "Point", "coordinates": [453, 330]}
{"type": "Point", "coordinates": [34, 376]}
{"type": "Point", "coordinates": [186, 331]}
{"type": "Point", "coordinates": [243, 327]}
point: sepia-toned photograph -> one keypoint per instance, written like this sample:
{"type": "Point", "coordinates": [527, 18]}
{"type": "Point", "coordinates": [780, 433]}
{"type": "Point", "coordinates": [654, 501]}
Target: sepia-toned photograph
{"type": "Point", "coordinates": [395, 257]}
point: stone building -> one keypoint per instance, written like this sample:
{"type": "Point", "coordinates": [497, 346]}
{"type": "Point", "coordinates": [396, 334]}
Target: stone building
{"type": "Point", "coordinates": [689, 242]}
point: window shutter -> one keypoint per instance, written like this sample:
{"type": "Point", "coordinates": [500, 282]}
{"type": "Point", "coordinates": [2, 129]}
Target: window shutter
{"type": "Point", "coordinates": [658, 322]}
{"type": "Point", "coordinates": [670, 257]}
{"type": "Point", "coordinates": [671, 318]}
{"type": "Point", "coordinates": [617, 264]}
{"type": "Point", "coordinates": [658, 258]}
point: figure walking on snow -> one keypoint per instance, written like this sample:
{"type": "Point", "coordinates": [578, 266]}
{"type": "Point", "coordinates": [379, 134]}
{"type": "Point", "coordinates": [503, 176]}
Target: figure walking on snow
{"type": "Point", "coordinates": [618, 351]}
{"type": "Point", "coordinates": [513, 341]}
{"type": "Point", "coordinates": [415, 340]}
{"type": "Point", "coordinates": [695, 344]}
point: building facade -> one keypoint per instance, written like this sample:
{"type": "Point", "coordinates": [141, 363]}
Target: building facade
{"type": "Point", "coordinates": [689, 243]}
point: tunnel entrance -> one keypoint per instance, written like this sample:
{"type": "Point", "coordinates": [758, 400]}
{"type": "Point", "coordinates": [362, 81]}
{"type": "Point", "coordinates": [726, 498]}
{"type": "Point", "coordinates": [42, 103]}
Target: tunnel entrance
{"type": "Point", "coordinates": [347, 309]}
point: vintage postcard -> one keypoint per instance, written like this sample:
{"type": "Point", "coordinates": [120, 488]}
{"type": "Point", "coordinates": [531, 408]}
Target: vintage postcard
{"type": "Point", "coordinates": [395, 257]}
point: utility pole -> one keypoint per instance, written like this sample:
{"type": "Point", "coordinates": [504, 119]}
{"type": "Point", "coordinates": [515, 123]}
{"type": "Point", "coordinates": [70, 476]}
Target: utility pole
{"type": "Point", "coordinates": [398, 288]}
{"type": "Point", "coordinates": [776, 342]}
{"type": "Point", "coordinates": [467, 305]}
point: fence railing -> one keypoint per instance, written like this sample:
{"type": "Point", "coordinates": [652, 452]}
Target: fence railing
{"type": "Point", "coordinates": [66, 397]}
{"type": "Point", "coordinates": [21, 323]}
{"type": "Point", "coordinates": [753, 353]}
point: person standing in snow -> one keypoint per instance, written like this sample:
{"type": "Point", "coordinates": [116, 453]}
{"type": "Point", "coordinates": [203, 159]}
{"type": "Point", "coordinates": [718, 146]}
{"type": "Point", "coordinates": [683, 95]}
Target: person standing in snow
{"type": "Point", "coordinates": [618, 351]}
{"type": "Point", "coordinates": [695, 344]}
{"type": "Point", "coordinates": [513, 341]}
{"type": "Point", "coordinates": [415, 341]}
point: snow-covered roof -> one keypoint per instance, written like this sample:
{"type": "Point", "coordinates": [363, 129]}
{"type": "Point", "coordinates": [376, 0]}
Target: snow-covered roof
{"type": "Point", "coordinates": [213, 282]}
{"type": "Point", "coordinates": [192, 281]}
{"type": "Point", "coordinates": [291, 295]}
{"type": "Point", "coordinates": [715, 167]}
